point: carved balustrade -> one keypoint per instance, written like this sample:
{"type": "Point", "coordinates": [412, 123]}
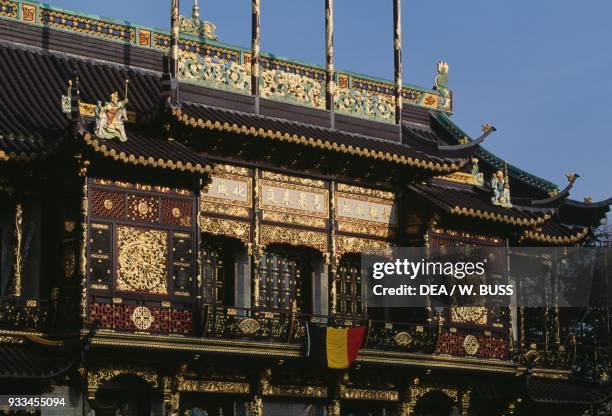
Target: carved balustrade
{"type": "Point", "coordinates": [22, 314]}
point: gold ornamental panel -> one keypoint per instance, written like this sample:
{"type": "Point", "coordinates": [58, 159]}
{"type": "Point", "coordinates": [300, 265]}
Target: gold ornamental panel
{"type": "Point", "coordinates": [297, 199]}
{"type": "Point", "coordinates": [368, 394]}
{"type": "Point", "coordinates": [142, 318]}
{"type": "Point", "coordinates": [375, 193]}
{"type": "Point", "coordinates": [469, 314]}
{"type": "Point", "coordinates": [296, 180]}
{"type": "Point", "coordinates": [360, 245]}
{"type": "Point", "coordinates": [202, 386]}
{"type": "Point", "coordinates": [470, 344]}
{"type": "Point", "coordinates": [289, 218]}
{"type": "Point", "coordinates": [230, 228]}
{"type": "Point", "coordinates": [271, 234]}
{"type": "Point", "coordinates": [142, 260]}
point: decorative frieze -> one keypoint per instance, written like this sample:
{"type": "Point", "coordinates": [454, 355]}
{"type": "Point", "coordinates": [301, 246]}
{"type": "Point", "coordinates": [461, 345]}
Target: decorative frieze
{"type": "Point", "coordinates": [273, 234]}
{"type": "Point", "coordinates": [86, 25]}
{"type": "Point", "coordinates": [214, 72]}
{"type": "Point", "coordinates": [368, 394]}
{"type": "Point", "coordinates": [359, 245]}
{"type": "Point", "coordinates": [212, 386]}
{"type": "Point", "coordinates": [230, 68]}
{"type": "Point", "coordinates": [365, 104]}
{"type": "Point", "coordinates": [295, 84]}
{"type": "Point", "coordinates": [219, 226]}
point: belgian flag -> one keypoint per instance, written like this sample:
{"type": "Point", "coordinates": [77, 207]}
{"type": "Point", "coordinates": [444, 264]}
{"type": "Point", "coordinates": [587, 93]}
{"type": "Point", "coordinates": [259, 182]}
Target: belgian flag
{"type": "Point", "coordinates": [333, 347]}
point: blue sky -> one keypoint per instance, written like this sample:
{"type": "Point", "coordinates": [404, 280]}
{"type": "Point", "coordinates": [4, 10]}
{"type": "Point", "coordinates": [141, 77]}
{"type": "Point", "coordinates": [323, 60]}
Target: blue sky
{"type": "Point", "coordinates": [537, 70]}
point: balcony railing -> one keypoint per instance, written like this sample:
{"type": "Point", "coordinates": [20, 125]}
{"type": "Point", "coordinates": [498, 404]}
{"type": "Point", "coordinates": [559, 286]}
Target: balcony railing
{"type": "Point", "coordinates": [22, 314]}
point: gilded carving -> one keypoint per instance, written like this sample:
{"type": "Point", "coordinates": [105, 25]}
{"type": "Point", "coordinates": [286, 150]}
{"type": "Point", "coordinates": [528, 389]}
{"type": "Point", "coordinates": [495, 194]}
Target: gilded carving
{"type": "Point", "coordinates": [17, 249]}
{"type": "Point", "coordinates": [141, 260]}
{"type": "Point", "coordinates": [470, 314]}
{"type": "Point", "coordinates": [142, 208]}
{"type": "Point", "coordinates": [362, 227]}
{"type": "Point", "coordinates": [256, 406]}
{"type": "Point", "coordinates": [288, 218]}
{"type": "Point", "coordinates": [249, 326]}
{"type": "Point", "coordinates": [98, 376]}
{"type": "Point", "coordinates": [376, 193]}
{"type": "Point", "coordinates": [209, 386]}
{"type": "Point", "coordinates": [142, 318]}
{"type": "Point", "coordinates": [234, 170]}
{"type": "Point", "coordinates": [470, 344]}
{"type": "Point", "coordinates": [368, 394]}
{"type": "Point", "coordinates": [214, 72]}
{"type": "Point", "coordinates": [279, 177]}
{"type": "Point", "coordinates": [292, 87]}
{"type": "Point", "coordinates": [224, 209]}
{"type": "Point", "coordinates": [333, 408]}
{"type": "Point", "coordinates": [196, 27]}
{"type": "Point", "coordinates": [361, 103]}
{"type": "Point", "coordinates": [272, 234]}
{"type": "Point", "coordinates": [461, 177]}
{"type": "Point", "coordinates": [230, 228]}
{"type": "Point", "coordinates": [403, 339]}
{"type": "Point", "coordinates": [28, 13]}
{"type": "Point", "coordinates": [360, 245]}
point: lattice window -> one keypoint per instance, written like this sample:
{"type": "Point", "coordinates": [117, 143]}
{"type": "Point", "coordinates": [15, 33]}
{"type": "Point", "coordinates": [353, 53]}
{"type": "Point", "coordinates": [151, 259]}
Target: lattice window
{"type": "Point", "coordinates": [349, 305]}
{"type": "Point", "coordinates": [219, 263]}
{"type": "Point", "coordinates": [280, 274]}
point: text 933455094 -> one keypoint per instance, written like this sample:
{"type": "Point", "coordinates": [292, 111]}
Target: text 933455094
{"type": "Point", "coordinates": [31, 402]}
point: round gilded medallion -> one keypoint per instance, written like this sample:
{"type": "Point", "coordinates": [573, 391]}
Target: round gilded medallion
{"type": "Point", "coordinates": [403, 339]}
{"type": "Point", "coordinates": [143, 208]}
{"type": "Point", "coordinates": [108, 204]}
{"type": "Point", "coordinates": [248, 326]}
{"type": "Point", "coordinates": [176, 212]}
{"type": "Point", "coordinates": [142, 318]}
{"type": "Point", "coordinates": [470, 344]}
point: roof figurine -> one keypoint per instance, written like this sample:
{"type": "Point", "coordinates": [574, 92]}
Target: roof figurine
{"type": "Point", "coordinates": [441, 83]}
{"type": "Point", "coordinates": [197, 27]}
{"type": "Point", "coordinates": [500, 182]}
{"type": "Point", "coordinates": [111, 116]}
{"type": "Point", "coordinates": [478, 176]}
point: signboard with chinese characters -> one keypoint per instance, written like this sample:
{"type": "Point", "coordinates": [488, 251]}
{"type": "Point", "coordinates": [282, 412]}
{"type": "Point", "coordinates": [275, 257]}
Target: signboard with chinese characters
{"type": "Point", "coordinates": [229, 193]}
{"type": "Point", "coordinates": [293, 200]}
{"type": "Point", "coordinates": [365, 211]}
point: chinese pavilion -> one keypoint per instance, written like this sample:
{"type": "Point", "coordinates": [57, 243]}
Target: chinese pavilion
{"type": "Point", "coordinates": [174, 209]}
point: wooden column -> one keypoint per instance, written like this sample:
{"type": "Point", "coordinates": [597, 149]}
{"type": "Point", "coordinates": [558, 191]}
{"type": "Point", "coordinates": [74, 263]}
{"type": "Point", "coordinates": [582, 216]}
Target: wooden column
{"type": "Point", "coordinates": [329, 59]}
{"type": "Point", "coordinates": [397, 58]}
{"type": "Point", "coordinates": [255, 50]}
{"type": "Point", "coordinates": [174, 49]}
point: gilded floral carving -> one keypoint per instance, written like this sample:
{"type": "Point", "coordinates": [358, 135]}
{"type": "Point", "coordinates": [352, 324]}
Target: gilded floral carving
{"type": "Point", "coordinates": [141, 260]}
{"type": "Point", "coordinates": [292, 87]}
{"type": "Point", "coordinates": [230, 228]}
{"type": "Point", "coordinates": [365, 104]}
{"type": "Point", "coordinates": [360, 245]}
{"type": "Point", "coordinates": [271, 234]}
{"type": "Point", "coordinates": [214, 72]}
